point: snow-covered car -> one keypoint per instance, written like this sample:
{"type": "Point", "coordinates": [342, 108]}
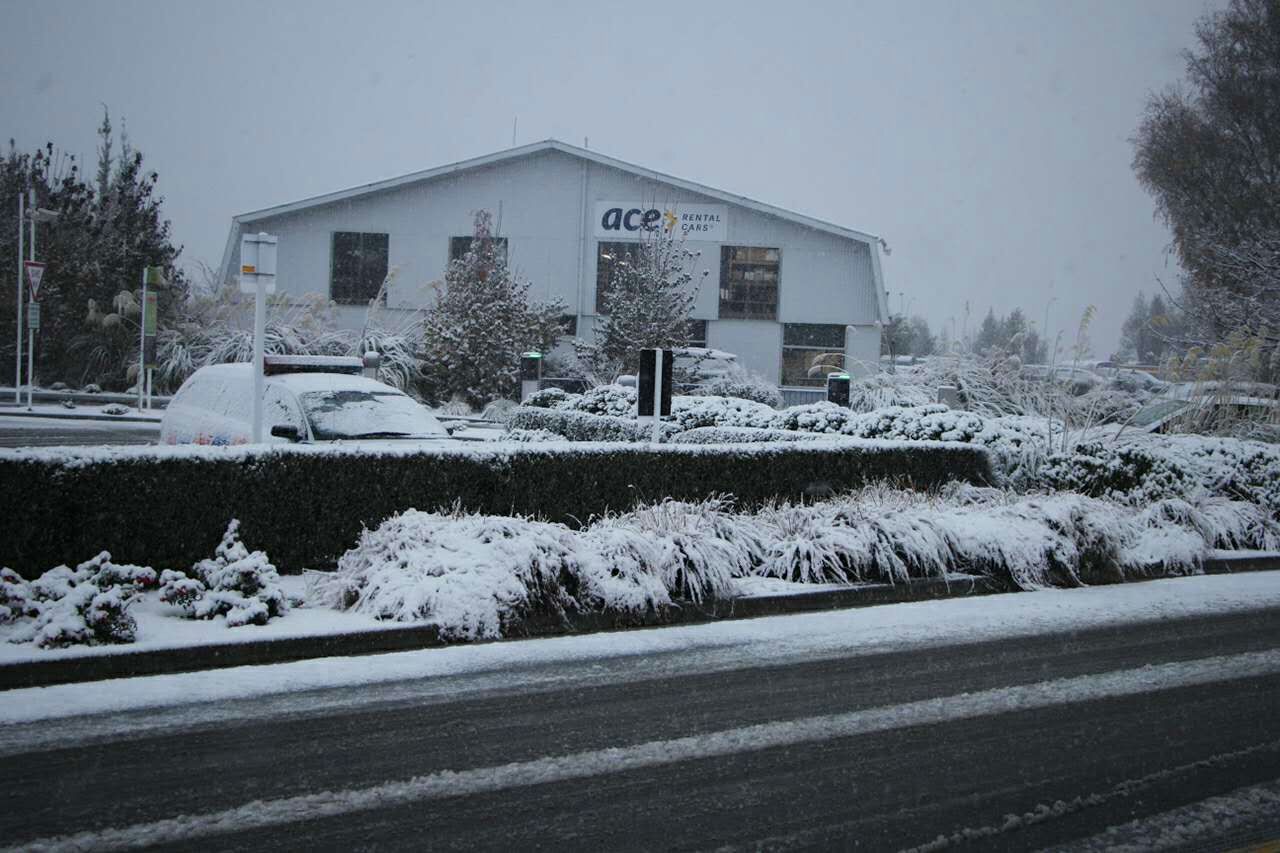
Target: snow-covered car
{"type": "Point", "coordinates": [304, 400]}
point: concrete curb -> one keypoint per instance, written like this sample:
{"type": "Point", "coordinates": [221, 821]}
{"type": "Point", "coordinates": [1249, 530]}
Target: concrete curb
{"type": "Point", "coordinates": [44, 673]}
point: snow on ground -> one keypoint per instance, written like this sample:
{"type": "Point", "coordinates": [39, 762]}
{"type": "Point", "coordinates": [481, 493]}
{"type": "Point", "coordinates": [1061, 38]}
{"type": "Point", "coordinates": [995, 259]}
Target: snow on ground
{"type": "Point", "coordinates": [703, 648]}
{"type": "Point", "coordinates": [1206, 823]}
{"type": "Point", "coordinates": [162, 626]}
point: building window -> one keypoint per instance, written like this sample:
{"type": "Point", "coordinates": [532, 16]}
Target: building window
{"type": "Point", "coordinates": [358, 267]}
{"type": "Point", "coordinates": [459, 246]}
{"type": "Point", "coordinates": [607, 255]}
{"type": "Point", "coordinates": [749, 283]}
{"type": "Point", "coordinates": [568, 325]}
{"type": "Point", "coordinates": [698, 333]}
{"type": "Point", "coordinates": [809, 352]}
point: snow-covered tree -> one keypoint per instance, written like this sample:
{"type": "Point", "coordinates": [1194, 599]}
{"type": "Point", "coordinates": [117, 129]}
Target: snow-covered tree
{"type": "Point", "coordinates": [480, 323]}
{"type": "Point", "coordinates": [647, 302]}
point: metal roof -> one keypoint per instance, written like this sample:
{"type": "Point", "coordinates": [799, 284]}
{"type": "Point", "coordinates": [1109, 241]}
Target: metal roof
{"type": "Point", "coordinates": [525, 151]}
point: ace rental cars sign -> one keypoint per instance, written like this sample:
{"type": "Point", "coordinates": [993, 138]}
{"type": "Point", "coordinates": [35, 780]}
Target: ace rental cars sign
{"type": "Point", "coordinates": [705, 222]}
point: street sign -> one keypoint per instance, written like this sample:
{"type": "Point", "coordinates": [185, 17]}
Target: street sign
{"type": "Point", "coordinates": [149, 329]}
{"type": "Point", "coordinates": [258, 263]}
{"type": "Point", "coordinates": [33, 316]}
{"type": "Point", "coordinates": [655, 383]}
{"type": "Point", "coordinates": [155, 277]}
{"type": "Point", "coordinates": [35, 274]}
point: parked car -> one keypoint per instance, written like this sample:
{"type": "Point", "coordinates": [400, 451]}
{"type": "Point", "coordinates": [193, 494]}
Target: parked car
{"type": "Point", "coordinates": [304, 400]}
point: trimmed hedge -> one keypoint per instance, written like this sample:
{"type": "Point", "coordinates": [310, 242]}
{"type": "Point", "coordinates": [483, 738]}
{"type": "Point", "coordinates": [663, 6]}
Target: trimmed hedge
{"type": "Point", "coordinates": [305, 506]}
{"type": "Point", "coordinates": [584, 426]}
{"type": "Point", "coordinates": [742, 435]}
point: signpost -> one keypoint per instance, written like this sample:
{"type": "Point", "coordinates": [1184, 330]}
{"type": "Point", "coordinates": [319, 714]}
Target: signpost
{"type": "Point", "coordinates": [653, 400]}
{"type": "Point", "coordinates": [151, 277]}
{"type": "Point", "coordinates": [35, 275]}
{"type": "Point", "coordinates": [258, 276]}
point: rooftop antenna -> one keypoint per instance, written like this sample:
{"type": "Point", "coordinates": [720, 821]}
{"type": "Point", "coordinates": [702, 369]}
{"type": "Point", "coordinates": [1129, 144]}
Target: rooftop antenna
{"type": "Point", "coordinates": [514, 122]}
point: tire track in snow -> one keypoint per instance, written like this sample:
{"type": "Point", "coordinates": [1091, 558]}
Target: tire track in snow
{"type": "Point", "coordinates": [445, 784]}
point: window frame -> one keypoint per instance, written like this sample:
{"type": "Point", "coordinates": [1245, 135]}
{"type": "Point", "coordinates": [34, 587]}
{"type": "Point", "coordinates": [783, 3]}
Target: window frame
{"type": "Point", "coordinates": [805, 347]}
{"type": "Point", "coordinates": [726, 260]}
{"type": "Point", "coordinates": [361, 276]}
{"type": "Point", "coordinates": [703, 340]}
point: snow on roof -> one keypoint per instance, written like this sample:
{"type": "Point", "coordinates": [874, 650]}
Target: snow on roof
{"type": "Point", "coordinates": [525, 151]}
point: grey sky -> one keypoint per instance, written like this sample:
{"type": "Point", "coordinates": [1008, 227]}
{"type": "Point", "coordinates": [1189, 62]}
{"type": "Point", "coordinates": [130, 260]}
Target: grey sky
{"type": "Point", "coordinates": [985, 141]}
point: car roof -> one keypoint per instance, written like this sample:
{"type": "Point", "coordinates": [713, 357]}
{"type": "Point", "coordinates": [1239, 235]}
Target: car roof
{"type": "Point", "coordinates": [298, 382]}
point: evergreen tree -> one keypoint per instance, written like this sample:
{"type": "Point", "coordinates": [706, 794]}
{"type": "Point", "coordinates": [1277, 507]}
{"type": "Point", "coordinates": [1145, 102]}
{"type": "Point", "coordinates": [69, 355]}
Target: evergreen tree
{"type": "Point", "coordinates": [647, 302]}
{"type": "Point", "coordinates": [988, 333]}
{"type": "Point", "coordinates": [923, 341]}
{"type": "Point", "coordinates": [482, 320]}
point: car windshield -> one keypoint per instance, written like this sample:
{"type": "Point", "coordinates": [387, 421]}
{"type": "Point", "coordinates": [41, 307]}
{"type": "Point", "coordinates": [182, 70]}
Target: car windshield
{"type": "Point", "coordinates": [347, 414]}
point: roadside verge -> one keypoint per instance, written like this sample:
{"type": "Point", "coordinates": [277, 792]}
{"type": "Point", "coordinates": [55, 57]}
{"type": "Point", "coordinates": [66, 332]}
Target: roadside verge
{"type": "Point", "coordinates": [124, 664]}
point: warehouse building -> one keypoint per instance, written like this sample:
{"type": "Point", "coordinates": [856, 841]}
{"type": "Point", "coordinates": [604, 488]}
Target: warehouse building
{"type": "Point", "coordinates": [782, 288]}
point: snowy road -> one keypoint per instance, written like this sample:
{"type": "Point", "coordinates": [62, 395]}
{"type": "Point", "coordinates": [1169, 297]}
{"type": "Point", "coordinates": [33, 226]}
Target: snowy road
{"type": "Point", "coordinates": [17, 431]}
{"type": "Point", "coordinates": [1071, 731]}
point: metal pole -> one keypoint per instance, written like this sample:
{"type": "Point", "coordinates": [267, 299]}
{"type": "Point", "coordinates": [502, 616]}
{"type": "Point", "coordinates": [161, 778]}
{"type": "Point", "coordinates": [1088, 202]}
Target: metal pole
{"type": "Point", "coordinates": [657, 394]}
{"type": "Point", "coordinates": [142, 339]}
{"type": "Point", "coordinates": [22, 286]}
{"type": "Point", "coordinates": [149, 376]}
{"type": "Point", "coordinates": [31, 333]}
{"type": "Point", "coordinates": [259, 332]}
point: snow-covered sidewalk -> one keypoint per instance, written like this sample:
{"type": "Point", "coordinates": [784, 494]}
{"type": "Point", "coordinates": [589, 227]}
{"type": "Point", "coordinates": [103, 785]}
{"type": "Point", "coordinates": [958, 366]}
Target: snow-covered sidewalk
{"type": "Point", "coordinates": [696, 648]}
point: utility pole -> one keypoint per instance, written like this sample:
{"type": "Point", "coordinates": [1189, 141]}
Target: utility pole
{"type": "Point", "coordinates": [22, 286]}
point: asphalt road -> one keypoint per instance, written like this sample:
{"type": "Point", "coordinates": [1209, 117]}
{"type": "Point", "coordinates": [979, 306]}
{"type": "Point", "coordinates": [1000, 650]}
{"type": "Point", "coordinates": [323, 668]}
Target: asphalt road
{"type": "Point", "coordinates": [597, 759]}
{"type": "Point", "coordinates": [18, 431]}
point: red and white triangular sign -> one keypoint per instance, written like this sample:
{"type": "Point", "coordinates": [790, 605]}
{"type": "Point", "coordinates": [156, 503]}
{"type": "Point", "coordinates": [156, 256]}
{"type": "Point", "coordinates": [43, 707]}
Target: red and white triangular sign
{"type": "Point", "coordinates": [35, 273]}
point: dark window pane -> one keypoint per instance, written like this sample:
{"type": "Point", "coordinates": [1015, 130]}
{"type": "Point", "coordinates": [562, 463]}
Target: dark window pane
{"type": "Point", "coordinates": [569, 325]}
{"type": "Point", "coordinates": [797, 364]}
{"type": "Point", "coordinates": [826, 335]}
{"type": "Point", "coordinates": [358, 266]}
{"type": "Point", "coordinates": [608, 255]}
{"type": "Point", "coordinates": [697, 333]}
{"type": "Point", "coordinates": [749, 282]}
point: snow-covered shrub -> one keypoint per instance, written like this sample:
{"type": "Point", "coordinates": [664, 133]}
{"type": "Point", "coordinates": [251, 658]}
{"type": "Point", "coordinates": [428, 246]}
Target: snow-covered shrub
{"type": "Point", "coordinates": [743, 385]}
{"type": "Point", "coordinates": [697, 547]}
{"type": "Point", "coordinates": [525, 435]}
{"type": "Point", "coordinates": [237, 583]}
{"type": "Point", "coordinates": [582, 426]}
{"type": "Point", "coordinates": [471, 575]}
{"type": "Point", "coordinates": [706, 411]}
{"type": "Point", "coordinates": [550, 398]}
{"type": "Point", "coordinates": [613, 400]}
{"type": "Point", "coordinates": [802, 544]}
{"type": "Point", "coordinates": [86, 614]}
{"type": "Point", "coordinates": [16, 598]}
{"type": "Point", "coordinates": [740, 435]}
{"type": "Point", "coordinates": [499, 410]}
{"type": "Point", "coordinates": [1124, 472]}
{"type": "Point", "coordinates": [1019, 444]}
{"type": "Point", "coordinates": [878, 390]}
{"type": "Point", "coordinates": [814, 417]}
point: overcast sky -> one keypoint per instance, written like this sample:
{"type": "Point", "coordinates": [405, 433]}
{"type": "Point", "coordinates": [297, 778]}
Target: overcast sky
{"type": "Point", "coordinates": [987, 142]}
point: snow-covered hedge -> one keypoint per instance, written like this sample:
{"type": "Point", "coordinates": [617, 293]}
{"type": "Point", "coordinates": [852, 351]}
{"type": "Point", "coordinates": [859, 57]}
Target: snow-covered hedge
{"type": "Point", "coordinates": [584, 426]}
{"type": "Point", "coordinates": [480, 576]}
{"type": "Point", "coordinates": [1149, 468]}
{"type": "Point", "coordinates": [739, 435]}
{"type": "Point", "coordinates": [306, 505]}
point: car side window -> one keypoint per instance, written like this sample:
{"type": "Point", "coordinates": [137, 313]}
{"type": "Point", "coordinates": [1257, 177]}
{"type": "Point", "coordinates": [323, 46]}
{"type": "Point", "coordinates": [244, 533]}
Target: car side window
{"type": "Point", "coordinates": [280, 409]}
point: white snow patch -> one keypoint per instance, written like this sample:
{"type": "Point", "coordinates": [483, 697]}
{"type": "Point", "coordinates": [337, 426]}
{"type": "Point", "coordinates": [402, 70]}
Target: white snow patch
{"type": "Point", "coordinates": [705, 648]}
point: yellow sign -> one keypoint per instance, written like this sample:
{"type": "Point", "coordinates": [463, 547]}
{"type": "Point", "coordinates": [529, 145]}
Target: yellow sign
{"type": "Point", "coordinates": [248, 269]}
